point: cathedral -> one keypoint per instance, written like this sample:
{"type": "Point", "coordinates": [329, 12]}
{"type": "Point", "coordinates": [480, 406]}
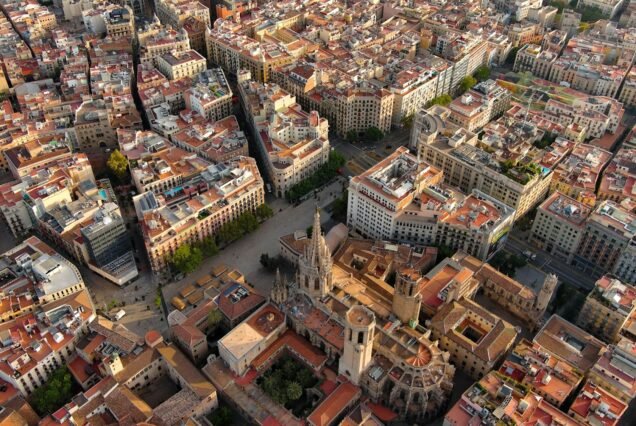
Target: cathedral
{"type": "Point", "coordinates": [344, 306]}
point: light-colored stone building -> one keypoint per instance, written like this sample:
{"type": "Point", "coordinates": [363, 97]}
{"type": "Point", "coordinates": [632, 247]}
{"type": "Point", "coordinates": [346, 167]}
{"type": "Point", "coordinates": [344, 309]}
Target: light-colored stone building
{"type": "Point", "coordinates": [292, 143]}
{"type": "Point", "coordinates": [607, 307]}
{"type": "Point", "coordinates": [453, 149]}
{"type": "Point", "coordinates": [402, 199]}
{"type": "Point", "coordinates": [559, 225]}
{"type": "Point", "coordinates": [176, 65]}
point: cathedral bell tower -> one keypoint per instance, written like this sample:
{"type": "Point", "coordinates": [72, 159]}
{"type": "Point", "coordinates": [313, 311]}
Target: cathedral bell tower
{"type": "Point", "coordinates": [358, 344]}
{"type": "Point", "coordinates": [406, 298]}
{"type": "Point", "coordinates": [314, 266]}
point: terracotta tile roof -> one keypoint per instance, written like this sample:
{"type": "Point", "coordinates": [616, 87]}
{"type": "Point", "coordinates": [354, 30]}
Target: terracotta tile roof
{"type": "Point", "coordinates": [344, 396]}
{"type": "Point", "coordinates": [296, 344]}
{"type": "Point", "coordinates": [232, 309]}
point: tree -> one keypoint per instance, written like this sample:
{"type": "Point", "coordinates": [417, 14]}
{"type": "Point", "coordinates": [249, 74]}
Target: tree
{"type": "Point", "coordinates": [407, 121]}
{"type": "Point", "coordinates": [117, 164]}
{"type": "Point", "coordinates": [187, 259]}
{"type": "Point", "coordinates": [264, 212]}
{"type": "Point", "coordinates": [352, 136]}
{"type": "Point", "coordinates": [324, 174]}
{"type": "Point", "coordinates": [208, 247]}
{"type": "Point", "coordinates": [374, 134]}
{"type": "Point", "coordinates": [507, 263]}
{"type": "Point", "coordinates": [512, 56]}
{"type": "Point", "coordinates": [214, 318]}
{"type": "Point", "coordinates": [590, 13]}
{"type": "Point", "coordinates": [309, 230]}
{"type": "Point", "coordinates": [443, 100]}
{"type": "Point", "coordinates": [222, 416]}
{"type": "Point", "coordinates": [265, 260]}
{"type": "Point", "coordinates": [57, 391]}
{"type": "Point", "coordinates": [482, 73]}
{"type": "Point", "coordinates": [294, 391]}
{"type": "Point", "coordinates": [467, 83]}
{"type": "Point", "coordinates": [339, 207]}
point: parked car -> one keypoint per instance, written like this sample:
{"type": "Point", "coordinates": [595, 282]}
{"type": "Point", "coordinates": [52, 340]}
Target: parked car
{"type": "Point", "coordinates": [529, 255]}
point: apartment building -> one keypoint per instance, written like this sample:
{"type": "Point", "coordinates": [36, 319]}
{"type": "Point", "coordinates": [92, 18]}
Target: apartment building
{"type": "Point", "coordinates": [41, 290]}
{"type": "Point", "coordinates": [210, 95]}
{"type": "Point", "coordinates": [190, 331]}
{"type": "Point", "coordinates": [532, 58]}
{"type": "Point", "coordinates": [148, 77]}
{"type": "Point", "coordinates": [594, 405]}
{"type": "Point", "coordinates": [566, 342]}
{"type": "Point", "coordinates": [402, 199]}
{"type": "Point", "coordinates": [156, 40]}
{"type": "Point", "coordinates": [475, 338]}
{"type": "Point", "coordinates": [24, 201]}
{"type": "Point", "coordinates": [196, 30]}
{"type": "Point", "coordinates": [477, 402]}
{"type": "Point", "coordinates": [36, 154]}
{"type": "Point", "coordinates": [609, 232]}
{"type": "Point", "coordinates": [625, 268]}
{"type": "Point", "coordinates": [559, 226]}
{"type": "Point", "coordinates": [475, 108]}
{"type": "Point", "coordinates": [120, 22]}
{"type": "Point", "coordinates": [598, 114]}
{"type": "Point", "coordinates": [579, 173]}
{"type": "Point", "coordinates": [225, 191]}
{"type": "Point", "coordinates": [628, 93]}
{"type": "Point", "coordinates": [96, 121]}
{"type": "Point", "coordinates": [177, 65]}
{"type": "Point", "coordinates": [218, 141]}
{"type": "Point", "coordinates": [176, 12]}
{"type": "Point", "coordinates": [613, 370]}
{"type": "Point", "coordinates": [607, 307]}
{"type": "Point", "coordinates": [169, 92]}
{"type": "Point", "coordinates": [292, 143]}
{"type": "Point", "coordinates": [595, 79]}
{"type": "Point", "coordinates": [619, 177]}
{"type": "Point", "coordinates": [413, 88]}
{"type": "Point", "coordinates": [108, 245]}
{"type": "Point", "coordinates": [453, 150]}
{"type": "Point", "coordinates": [234, 51]}
{"type": "Point", "coordinates": [551, 378]}
{"type": "Point", "coordinates": [156, 165]}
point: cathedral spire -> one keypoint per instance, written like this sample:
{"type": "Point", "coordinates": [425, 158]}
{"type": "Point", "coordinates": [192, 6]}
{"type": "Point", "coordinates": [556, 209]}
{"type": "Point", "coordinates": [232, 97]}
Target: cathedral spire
{"type": "Point", "coordinates": [314, 266]}
{"type": "Point", "coordinates": [279, 290]}
{"type": "Point", "coordinates": [316, 240]}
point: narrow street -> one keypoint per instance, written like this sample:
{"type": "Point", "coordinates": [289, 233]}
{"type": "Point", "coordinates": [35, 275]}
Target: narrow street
{"type": "Point", "coordinates": [548, 264]}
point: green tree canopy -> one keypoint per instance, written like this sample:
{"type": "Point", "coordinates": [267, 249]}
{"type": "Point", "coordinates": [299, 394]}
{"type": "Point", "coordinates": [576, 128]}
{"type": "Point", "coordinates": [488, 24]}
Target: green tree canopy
{"type": "Point", "coordinates": [187, 259]}
{"type": "Point", "coordinates": [294, 391]}
{"type": "Point", "coordinates": [214, 318]}
{"type": "Point", "coordinates": [407, 120]}
{"type": "Point", "coordinates": [57, 391]}
{"type": "Point", "coordinates": [208, 247]}
{"type": "Point", "coordinates": [467, 83]}
{"type": "Point", "coordinates": [222, 416]}
{"type": "Point", "coordinates": [482, 73]}
{"type": "Point", "coordinates": [117, 164]}
{"type": "Point", "coordinates": [264, 212]}
{"type": "Point", "coordinates": [324, 174]}
{"type": "Point", "coordinates": [443, 100]}
{"type": "Point", "coordinates": [374, 134]}
{"type": "Point", "coordinates": [352, 136]}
